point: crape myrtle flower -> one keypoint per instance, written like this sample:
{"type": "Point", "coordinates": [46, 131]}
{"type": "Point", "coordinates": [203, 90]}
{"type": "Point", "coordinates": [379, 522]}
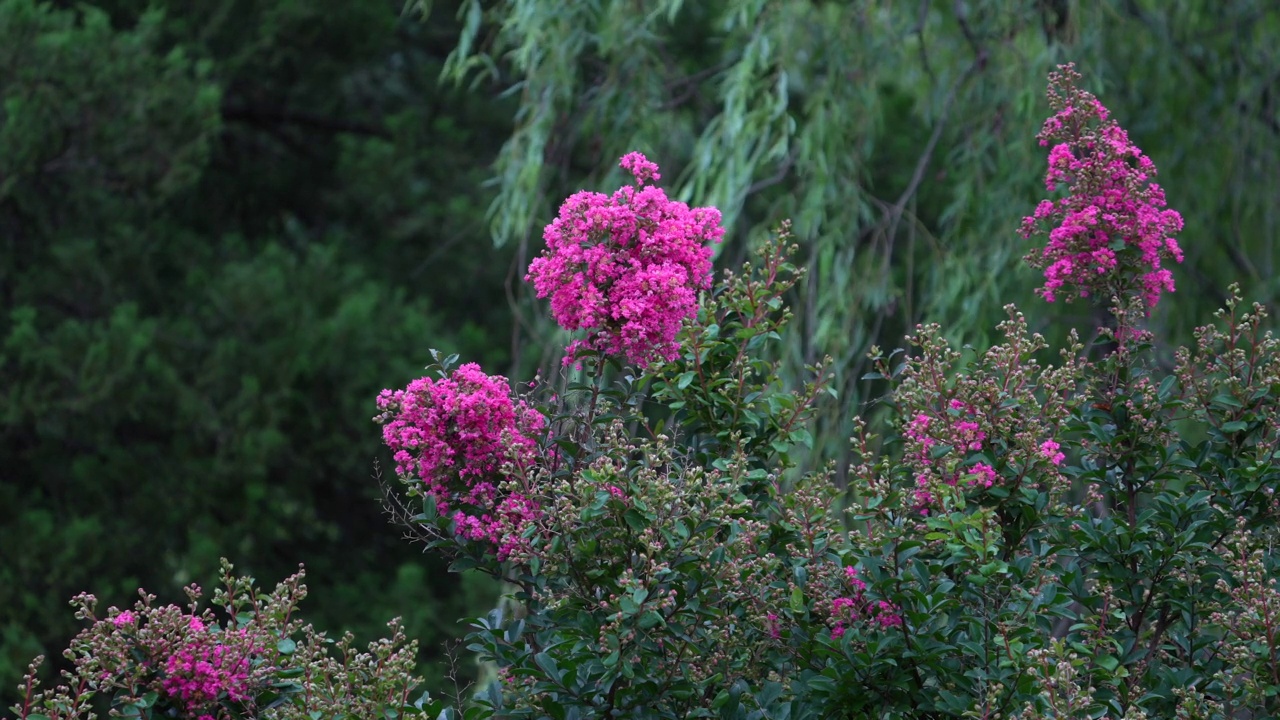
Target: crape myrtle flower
{"type": "Point", "coordinates": [453, 436]}
{"type": "Point", "coordinates": [1111, 233]}
{"type": "Point", "coordinates": [626, 268]}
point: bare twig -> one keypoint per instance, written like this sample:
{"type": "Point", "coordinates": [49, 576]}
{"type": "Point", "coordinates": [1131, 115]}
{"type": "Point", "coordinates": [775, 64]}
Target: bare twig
{"type": "Point", "coordinates": [399, 513]}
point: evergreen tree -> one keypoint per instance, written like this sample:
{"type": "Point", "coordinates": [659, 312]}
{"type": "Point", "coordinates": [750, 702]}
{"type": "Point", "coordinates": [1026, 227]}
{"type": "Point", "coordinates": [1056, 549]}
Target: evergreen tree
{"type": "Point", "coordinates": [223, 228]}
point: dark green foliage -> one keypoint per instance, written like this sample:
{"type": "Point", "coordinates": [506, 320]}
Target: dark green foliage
{"type": "Point", "coordinates": [224, 227]}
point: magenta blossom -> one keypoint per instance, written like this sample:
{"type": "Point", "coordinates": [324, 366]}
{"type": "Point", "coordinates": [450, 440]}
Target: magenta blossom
{"type": "Point", "coordinates": [847, 609]}
{"type": "Point", "coordinates": [982, 475]}
{"type": "Point", "coordinates": [1049, 451]}
{"type": "Point", "coordinates": [453, 435]}
{"type": "Point", "coordinates": [626, 268]}
{"type": "Point", "coordinates": [1111, 234]}
{"type": "Point", "coordinates": [197, 674]}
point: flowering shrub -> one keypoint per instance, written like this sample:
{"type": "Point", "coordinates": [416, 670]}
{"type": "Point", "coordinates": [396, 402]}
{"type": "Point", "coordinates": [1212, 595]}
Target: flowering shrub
{"type": "Point", "coordinates": [258, 661]}
{"type": "Point", "coordinates": [1085, 537]}
{"type": "Point", "coordinates": [989, 432]}
{"type": "Point", "coordinates": [1037, 540]}
{"type": "Point", "coordinates": [626, 268]}
{"type": "Point", "coordinates": [1111, 233]}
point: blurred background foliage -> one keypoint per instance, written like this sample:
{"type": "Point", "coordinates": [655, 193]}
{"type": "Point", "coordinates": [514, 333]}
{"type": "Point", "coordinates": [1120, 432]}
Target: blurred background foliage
{"type": "Point", "coordinates": [225, 225]}
{"type": "Point", "coordinates": [899, 137]}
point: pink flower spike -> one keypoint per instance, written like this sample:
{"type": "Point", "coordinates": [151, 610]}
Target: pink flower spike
{"type": "Point", "coordinates": [1111, 233]}
{"type": "Point", "coordinates": [641, 167]}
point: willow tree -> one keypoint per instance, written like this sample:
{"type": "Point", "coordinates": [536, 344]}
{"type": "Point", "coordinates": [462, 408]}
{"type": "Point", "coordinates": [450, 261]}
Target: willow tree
{"type": "Point", "coordinates": [899, 138]}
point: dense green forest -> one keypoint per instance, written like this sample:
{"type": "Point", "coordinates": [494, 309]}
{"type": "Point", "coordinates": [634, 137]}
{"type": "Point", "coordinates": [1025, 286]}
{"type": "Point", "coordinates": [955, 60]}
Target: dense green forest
{"type": "Point", "coordinates": [225, 226]}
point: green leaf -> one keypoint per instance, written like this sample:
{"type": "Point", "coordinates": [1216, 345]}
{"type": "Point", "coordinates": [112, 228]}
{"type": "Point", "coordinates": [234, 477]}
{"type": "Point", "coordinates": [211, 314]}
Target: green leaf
{"type": "Point", "coordinates": [548, 665]}
{"type": "Point", "coordinates": [797, 600]}
{"type": "Point", "coordinates": [286, 646]}
{"type": "Point", "coordinates": [635, 520]}
{"type": "Point", "coordinates": [463, 564]}
{"type": "Point", "coordinates": [1226, 400]}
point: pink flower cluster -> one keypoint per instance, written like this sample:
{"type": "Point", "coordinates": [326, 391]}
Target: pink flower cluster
{"type": "Point", "coordinates": [201, 671]}
{"type": "Point", "coordinates": [195, 665]}
{"type": "Point", "coordinates": [626, 268]}
{"type": "Point", "coordinates": [1112, 232]}
{"type": "Point", "coordinates": [453, 435]}
{"type": "Point", "coordinates": [846, 609]}
{"type": "Point", "coordinates": [1050, 451]}
{"type": "Point", "coordinates": [961, 432]}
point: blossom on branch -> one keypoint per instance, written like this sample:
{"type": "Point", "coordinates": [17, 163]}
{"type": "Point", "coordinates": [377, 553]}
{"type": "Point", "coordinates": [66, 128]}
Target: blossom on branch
{"type": "Point", "coordinates": [454, 435]}
{"type": "Point", "coordinates": [1112, 232]}
{"type": "Point", "coordinates": [627, 267]}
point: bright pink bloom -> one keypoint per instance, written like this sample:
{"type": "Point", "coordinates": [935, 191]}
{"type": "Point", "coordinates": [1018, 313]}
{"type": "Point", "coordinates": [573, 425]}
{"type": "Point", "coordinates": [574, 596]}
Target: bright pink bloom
{"type": "Point", "coordinates": [851, 573]}
{"type": "Point", "coordinates": [982, 475]}
{"type": "Point", "coordinates": [1112, 231]}
{"type": "Point", "coordinates": [641, 167]}
{"type": "Point", "coordinates": [886, 615]}
{"type": "Point", "coordinates": [1049, 451]}
{"type": "Point", "coordinates": [968, 436]}
{"type": "Point", "coordinates": [626, 268]}
{"type": "Point", "coordinates": [454, 435]}
{"type": "Point", "coordinates": [918, 430]}
{"type": "Point", "coordinates": [846, 610]}
{"type": "Point", "coordinates": [125, 618]}
{"type": "Point", "coordinates": [201, 671]}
